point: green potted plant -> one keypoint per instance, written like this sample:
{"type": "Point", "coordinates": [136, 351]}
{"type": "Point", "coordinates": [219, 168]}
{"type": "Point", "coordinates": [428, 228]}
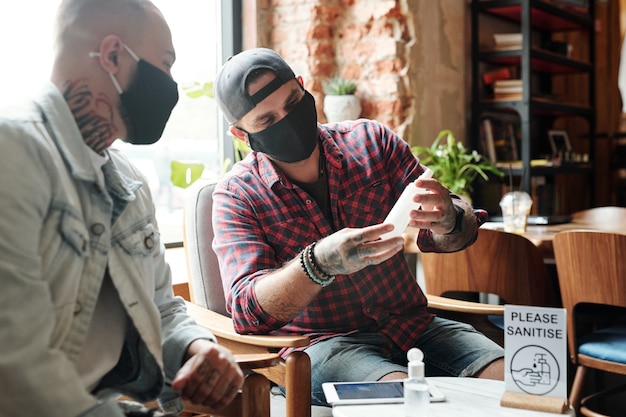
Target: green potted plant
{"type": "Point", "coordinates": [340, 103]}
{"type": "Point", "coordinates": [455, 166]}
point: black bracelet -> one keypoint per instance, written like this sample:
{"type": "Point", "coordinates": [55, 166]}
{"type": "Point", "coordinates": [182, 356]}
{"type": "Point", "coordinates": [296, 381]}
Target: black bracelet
{"type": "Point", "coordinates": [458, 225]}
{"type": "Point", "coordinates": [311, 269]}
{"type": "Point", "coordinates": [316, 265]}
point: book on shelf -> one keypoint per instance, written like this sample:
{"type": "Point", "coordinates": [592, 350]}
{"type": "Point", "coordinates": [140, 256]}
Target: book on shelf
{"type": "Point", "coordinates": [512, 83]}
{"type": "Point", "coordinates": [491, 77]}
{"type": "Point", "coordinates": [488, 140]}
{"type": "Point", "coordinates": [508, 89]}
{"type": "Point", "coordinates": [499, 137]}
{"type": "Point", "coordinates": [519, 165]}
{"type": "Point", "coordinates": [507, 96]}
{"type": "Point", "coordinates": [507, 40]}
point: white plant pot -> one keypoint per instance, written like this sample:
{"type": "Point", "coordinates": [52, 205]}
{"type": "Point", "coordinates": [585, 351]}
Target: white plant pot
{"type": "Point", "coordinates": [340, 108]}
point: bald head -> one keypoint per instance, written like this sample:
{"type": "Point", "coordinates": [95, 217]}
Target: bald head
{"type": "Point", "coordinates": [98, 45]}
{"type": "Point", "coordinates": [83, 23]}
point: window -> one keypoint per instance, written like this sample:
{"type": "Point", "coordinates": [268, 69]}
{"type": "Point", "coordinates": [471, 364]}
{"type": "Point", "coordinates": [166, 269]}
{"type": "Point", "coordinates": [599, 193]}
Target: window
{"type": "Point", "coordinates": [192, 134]}
{"type": "Point", "coordinates": [196, 130]}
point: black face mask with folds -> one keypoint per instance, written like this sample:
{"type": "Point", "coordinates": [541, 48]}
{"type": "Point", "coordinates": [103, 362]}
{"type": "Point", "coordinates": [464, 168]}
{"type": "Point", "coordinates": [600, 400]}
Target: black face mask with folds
{"type": "Point", "coordinates": [293, 138]}
{"type": "Point", "coordinates": [148, 103]}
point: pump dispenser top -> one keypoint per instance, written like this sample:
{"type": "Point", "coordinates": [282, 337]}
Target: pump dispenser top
{"type": "Point", "coordinates": [416, 363]}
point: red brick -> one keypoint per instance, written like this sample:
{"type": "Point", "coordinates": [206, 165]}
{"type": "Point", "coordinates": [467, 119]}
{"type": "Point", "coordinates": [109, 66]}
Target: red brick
{"type": "Point", "coordinates": [321, 49]}
{"type": "Point", "coordinates": [319, 32]}
{"type": "Point", "coordinates": [327, 14]}
{"type": "Point", "coordinates": [320, 68]}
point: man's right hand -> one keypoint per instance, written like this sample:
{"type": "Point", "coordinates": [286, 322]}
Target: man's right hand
{"type": "Point", "coordinates": [350, 250]}
{"type": "Point", "coordinates": [210, 376]}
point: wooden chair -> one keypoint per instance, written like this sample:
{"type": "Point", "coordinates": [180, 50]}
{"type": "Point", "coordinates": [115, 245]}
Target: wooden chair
{"type": "Point", "coordinates": [592, 277]}
{"type": "Point", "coordinates": [209, 306]}
{"type": "Point", "coordinates": [499, 263]}
{"type": "Point", "coordinates": [606, 215]}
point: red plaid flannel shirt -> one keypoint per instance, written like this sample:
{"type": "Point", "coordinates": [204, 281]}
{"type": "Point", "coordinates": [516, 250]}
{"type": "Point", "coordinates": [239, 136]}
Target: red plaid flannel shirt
{"type": "Point", "coordinates": [262, 220]}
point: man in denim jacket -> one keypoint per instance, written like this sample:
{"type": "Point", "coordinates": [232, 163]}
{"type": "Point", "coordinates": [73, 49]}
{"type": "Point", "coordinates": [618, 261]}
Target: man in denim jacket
{"type": "Point", "coordinates": [86, 306]}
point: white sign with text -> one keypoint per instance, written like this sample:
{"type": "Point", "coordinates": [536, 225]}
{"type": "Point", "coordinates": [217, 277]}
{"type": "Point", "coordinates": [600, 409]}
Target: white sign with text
{"type": "Point", "coordinates": [535, 350]}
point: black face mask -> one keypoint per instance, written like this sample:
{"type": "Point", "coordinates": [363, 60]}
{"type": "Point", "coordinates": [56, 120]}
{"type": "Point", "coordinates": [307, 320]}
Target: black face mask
{"type": "Point", "coordinates": [147, 102]}
{"type": "Point", "coordinates": [294, 137]}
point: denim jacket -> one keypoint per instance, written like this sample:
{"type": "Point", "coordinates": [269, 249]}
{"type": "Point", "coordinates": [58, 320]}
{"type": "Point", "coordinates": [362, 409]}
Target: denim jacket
{"type": "Point", "coordinates": [59, 232]}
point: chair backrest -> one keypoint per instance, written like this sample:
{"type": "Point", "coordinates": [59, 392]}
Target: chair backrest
{"type": "Point", "coordinates": [610, 215]}
{"type": "Point", "coordinates": [500, 263]}
{"type": "Point", "coordinates": [205, 282]}
{"type": "Point", "coordinates": [592, 269]}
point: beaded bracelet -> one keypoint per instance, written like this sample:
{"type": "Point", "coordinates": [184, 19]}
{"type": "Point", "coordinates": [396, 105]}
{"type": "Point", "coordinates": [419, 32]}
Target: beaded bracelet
{"type": "Point", "coordinates": [310, 267]}
{"type": "Point", "coordinates": [318, 268]}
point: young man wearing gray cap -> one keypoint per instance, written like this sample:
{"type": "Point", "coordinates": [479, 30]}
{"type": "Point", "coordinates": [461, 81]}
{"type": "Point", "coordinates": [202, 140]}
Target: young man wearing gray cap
{"type": "Point", "coordinates": [297, 234]}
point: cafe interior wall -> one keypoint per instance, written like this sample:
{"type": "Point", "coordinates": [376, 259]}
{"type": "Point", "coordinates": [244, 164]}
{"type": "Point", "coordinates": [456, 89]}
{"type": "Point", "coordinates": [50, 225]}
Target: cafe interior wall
{"type": "Point", "coordinates": [409, 57]}
{"type": "Point", "coordinates": [411, 60]}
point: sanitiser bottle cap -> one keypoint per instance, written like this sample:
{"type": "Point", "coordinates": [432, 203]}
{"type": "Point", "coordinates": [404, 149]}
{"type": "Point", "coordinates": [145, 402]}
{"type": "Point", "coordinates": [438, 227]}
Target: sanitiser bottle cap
{"type": "Point", "coordinates": [416, 364]}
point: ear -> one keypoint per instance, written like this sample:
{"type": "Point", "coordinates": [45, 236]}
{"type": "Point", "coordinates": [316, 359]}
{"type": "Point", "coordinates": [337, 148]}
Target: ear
{"type": "Point", "coordinates": [110, 49]}
{"type": "Point", "coordinates": [300, 80]}
{"type": "Point", "coordinates": [239, 134]}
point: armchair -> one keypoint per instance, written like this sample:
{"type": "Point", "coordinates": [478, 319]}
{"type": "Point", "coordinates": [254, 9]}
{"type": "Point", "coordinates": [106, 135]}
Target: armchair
{"type": "Point", "coordinates": [209, 307]}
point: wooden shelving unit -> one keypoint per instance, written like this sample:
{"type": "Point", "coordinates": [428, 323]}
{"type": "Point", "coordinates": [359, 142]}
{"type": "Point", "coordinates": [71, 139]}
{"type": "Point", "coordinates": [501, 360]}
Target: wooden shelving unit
{"type": "Point", "coordinates": [537, 21]}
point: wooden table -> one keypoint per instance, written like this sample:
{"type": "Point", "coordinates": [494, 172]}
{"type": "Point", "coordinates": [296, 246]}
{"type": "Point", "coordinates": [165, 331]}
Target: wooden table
{"type": "Point", "coordinates": [542, 235]}
{"type": "Point", "coordinates": [464, 397]}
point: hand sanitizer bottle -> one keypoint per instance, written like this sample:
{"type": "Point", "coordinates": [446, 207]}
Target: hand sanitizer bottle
{"type": "Point", "coordinates": [416, 395]}
{"type": "Point", "coordinates": [399, 214]}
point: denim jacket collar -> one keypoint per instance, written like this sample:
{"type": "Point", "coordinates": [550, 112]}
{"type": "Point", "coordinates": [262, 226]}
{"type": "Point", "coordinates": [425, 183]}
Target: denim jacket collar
{"type": "Point", "coordinates": [74, 150]}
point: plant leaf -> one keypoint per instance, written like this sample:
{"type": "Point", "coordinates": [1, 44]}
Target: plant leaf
{"type": "Point", "coordinates": [197, 89]}
{"type": "Point", "coordinates": [184, 173]}
{"type": "Point", "coordinates": [455, 166]}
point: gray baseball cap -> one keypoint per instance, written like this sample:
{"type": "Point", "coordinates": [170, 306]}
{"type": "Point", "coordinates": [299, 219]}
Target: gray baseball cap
{"type": "Point", "coordinates": [230, 83]}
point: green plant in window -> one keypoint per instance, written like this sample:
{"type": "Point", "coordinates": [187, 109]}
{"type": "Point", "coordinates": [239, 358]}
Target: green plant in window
{"type": "Point", "coordinates": [198, 89]}
{"type": "Point", "coordinates": [183, 174]}
{"type": "Point", "coordinates": [455, 166]}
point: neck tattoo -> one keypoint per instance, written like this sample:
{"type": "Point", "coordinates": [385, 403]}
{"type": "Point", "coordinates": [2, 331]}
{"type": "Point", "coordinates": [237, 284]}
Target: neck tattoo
{"type": "Point", "coordinates": [98, 131]}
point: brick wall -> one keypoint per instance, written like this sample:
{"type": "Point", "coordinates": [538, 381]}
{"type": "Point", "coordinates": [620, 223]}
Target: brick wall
{"type": "Point", "coordinates": [383, 44]}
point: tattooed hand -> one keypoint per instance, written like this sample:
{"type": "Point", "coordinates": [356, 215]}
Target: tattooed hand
{"type": "Point", "coordinates": [350, 250]}
{"type": "Point", "coordinates": [438, 212]}
{"type": "Point", "coordinates": [210, 376]}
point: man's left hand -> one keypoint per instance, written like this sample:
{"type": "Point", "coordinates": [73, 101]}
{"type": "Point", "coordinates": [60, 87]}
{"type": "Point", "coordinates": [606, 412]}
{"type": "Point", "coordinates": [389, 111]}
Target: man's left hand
{"type": "Point", "coordinates": [438, 213]}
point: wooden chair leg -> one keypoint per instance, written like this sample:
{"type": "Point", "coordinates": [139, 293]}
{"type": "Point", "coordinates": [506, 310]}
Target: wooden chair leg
{"type": "Point", "coordinates": [252, 401]}
{"type": "Point", "coordinates": [298, 385]}
{"type": "Point", "coordinates": [577, 385]}
{"type": "Point", "coordinates": [255, 397]}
